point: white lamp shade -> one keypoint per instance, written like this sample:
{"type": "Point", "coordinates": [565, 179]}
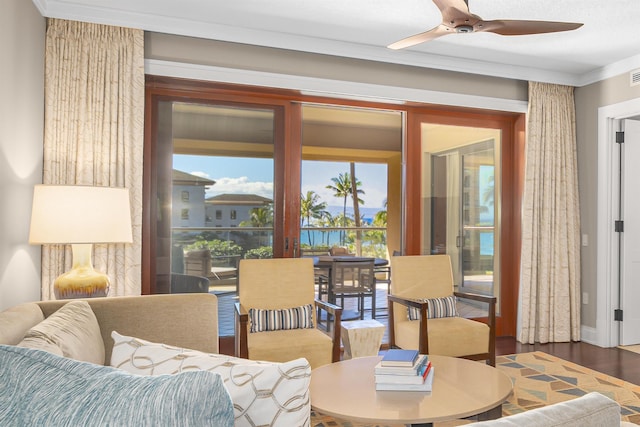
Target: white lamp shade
{"type": "Point", "coordinates": [80, 214]}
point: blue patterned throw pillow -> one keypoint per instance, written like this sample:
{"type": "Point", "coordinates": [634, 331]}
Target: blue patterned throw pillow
{"type": "Point", "coordinates": [275, 320]}
{"type": "Point", "coordinates": [41, 389]}
{"type": "Point", "coordinates": [436, 307]}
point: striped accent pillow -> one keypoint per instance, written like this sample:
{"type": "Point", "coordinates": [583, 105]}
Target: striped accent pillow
{"type": "Point", "coordinates": [436, 307]}
{"type": "Point", "coordinates": [276, 320]}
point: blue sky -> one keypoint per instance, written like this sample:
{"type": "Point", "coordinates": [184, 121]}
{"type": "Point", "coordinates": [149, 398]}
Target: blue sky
{"type": "Point", "coordinates": [255, 176]}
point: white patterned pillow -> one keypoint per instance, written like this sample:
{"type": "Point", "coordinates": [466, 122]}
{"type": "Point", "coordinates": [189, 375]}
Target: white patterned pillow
{"type": "Point", "coordinates": [263, 393]}
{"type": "Point", "coordinates": [275, 320]}
{"type": "Point", "coordinates": [436, 307]}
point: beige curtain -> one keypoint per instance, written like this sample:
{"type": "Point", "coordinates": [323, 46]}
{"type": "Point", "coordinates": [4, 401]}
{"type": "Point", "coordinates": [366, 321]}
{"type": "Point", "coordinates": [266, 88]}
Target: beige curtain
{"type": "Point", "coordinates": [550, 264]}
{"type": "Point", "coordinates": [94, 114]}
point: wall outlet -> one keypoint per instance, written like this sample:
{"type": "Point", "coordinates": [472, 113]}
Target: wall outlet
{"type": "Point", "coordinates": [585, 298]}
{"type": "Point", "coordinates": [585, 240]}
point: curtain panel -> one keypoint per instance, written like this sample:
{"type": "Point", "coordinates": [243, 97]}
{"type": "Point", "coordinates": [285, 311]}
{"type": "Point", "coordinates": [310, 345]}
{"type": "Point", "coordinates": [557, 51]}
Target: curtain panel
{"type": "Point", "coordinates": [94, 130]}
{"type": "Point", "coordinates": [549, 305]}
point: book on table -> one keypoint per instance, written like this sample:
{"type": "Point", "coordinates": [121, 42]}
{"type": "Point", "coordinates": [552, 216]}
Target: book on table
{"type": "Point", "coordinates": [399, 357]}
{"type": "Point", "coordinates": [427, 385]}
{"type": "Point", "coordinates": [402, 370]}
{"type": "Point", "coordinates": [418, 378]}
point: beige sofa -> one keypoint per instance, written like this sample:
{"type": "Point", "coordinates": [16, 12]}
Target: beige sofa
{"type": "Point", "coordinates": [591, 410]}
{"type": "Point", "coordinates": [191, 321]}
{"type": "Point", "coordinates": [182, 320]}
{"type": "Point", "coordinates": [42, 388]}
{"type": "Point", "coordinates": [158, 339]}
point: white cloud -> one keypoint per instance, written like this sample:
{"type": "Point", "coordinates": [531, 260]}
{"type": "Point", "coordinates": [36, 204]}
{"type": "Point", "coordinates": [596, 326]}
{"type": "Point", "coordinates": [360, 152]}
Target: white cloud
{"type": "Point", "coordinates": [241, 185]}
{"type": "Point", "coordinates": [373, 197]}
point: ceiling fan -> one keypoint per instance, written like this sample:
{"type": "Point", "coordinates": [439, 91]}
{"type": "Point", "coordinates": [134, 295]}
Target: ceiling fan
{"type": "Point", "coordinates": [456, 18]}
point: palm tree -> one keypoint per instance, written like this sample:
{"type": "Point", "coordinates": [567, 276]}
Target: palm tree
{"type": "Point", "coordinates": [327, 220]}
{"type": "Point", "coordinates": [489, 190]}
{"type": "Point", "coordinates": [378, 237]}
{"type": "Point", "coordinates": [311, 207]}
{"type": "Point", "coordinates": [380, 218]}
{"type": "Point", "coordinates": [260, 217]}
{"type": "Point", "coordinates": [356, 206]}
{"type": "Point", "coordinates": [342, 187]}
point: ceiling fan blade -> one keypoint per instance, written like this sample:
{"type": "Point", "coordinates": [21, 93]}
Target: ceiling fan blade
{"type": "Point", "coordinates": [456, 18]}
{"type": "Point", "coordinates": [508, 27]}
{"type": "Point", "coordinates": [453, 11]}
{"type": "Point", "coordinates": [433, 33]}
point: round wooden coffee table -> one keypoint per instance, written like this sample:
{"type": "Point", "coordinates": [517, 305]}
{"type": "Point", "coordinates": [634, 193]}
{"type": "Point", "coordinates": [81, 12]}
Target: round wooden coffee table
{"type": "Point", "coordinates": [461, 388]}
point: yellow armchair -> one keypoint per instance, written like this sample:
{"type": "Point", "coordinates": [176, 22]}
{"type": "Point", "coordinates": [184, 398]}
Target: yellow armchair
{"type": "Point", "coordinates": [282, 284]}
{"type": "Point", "coordinates": [416, 279]}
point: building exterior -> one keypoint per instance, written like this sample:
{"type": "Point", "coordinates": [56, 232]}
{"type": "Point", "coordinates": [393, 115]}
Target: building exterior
{"type": "Point", "coordinates": [229, 210]}
{"type": "Point", "coordinates": [188, 207]}
{"type": "Point", "coordinates": [191, 209]}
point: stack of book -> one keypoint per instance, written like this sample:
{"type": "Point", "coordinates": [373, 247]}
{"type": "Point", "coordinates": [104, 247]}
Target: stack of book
{"type": "Point", "coordinates": [404, 370]}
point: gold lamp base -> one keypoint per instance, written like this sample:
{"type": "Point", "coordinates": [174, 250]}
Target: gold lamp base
{"type": "Point", "coordinates": [82, 281]}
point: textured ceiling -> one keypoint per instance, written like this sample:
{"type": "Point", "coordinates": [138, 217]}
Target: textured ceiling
{"type": "Point", "coordinates": [606, 45]}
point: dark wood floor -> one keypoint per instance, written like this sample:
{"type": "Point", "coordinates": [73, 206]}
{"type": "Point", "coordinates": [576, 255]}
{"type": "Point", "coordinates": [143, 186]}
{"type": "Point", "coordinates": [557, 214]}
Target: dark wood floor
{"type": "Point", "coordinates": [616, 362]}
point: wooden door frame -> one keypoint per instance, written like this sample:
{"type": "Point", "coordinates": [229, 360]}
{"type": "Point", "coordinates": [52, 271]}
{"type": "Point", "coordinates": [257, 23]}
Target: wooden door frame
{"type": "Point", "coordinates": [512, 163]}
{"type": "Point", "coordinates": [289, 151]}
{"type": "Point", "coordinates": [159, 89]}
{"type": "Point", "coordinates": [291, 181]}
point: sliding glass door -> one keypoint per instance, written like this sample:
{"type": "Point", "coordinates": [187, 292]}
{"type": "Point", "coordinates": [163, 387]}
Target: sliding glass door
{"type": "Point", "coordinates": [464, 202]}
{"type": "Point", "coordinates": [463, 181]}
{"type": "Point", "coordinates": [223, 189]}
{"type": "Point", "coordinates": [215, 189]}
{"type": "Point", "coordinates": [228, 169]}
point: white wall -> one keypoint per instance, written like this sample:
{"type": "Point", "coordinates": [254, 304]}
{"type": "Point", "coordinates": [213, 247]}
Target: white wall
{"type": "Point", "coordinates": [22, 33]}
{"type": "Point", "coordinates": [588, 99]}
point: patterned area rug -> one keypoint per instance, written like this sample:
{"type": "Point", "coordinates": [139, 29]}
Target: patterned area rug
{"type": "Point", "coordinates": [633, 348]}
{"type": "Point", "coordinates": [540, 379]}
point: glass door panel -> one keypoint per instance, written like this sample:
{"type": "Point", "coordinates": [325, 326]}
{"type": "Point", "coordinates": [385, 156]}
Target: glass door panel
{"type": "Point", "coordinates": [478, 255]}
{"type": "Point", "coordinates": [351, 188]}
{"type": "Point", "coordinates": [340, 143]}
{"type": "Point", "coordinates": [215, 194]}
{"type": "Point", "coordinates": [461, 182]}
{"type": "Point", "coordinates": [222, 199]}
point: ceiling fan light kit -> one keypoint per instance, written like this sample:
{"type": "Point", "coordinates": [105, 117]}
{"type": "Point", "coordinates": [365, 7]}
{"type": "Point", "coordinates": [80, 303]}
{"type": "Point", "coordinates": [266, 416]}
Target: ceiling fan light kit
{"type": "Point", "coordinates": [464, 29]}
{"type": "Point", "coordinates": [456, 18]}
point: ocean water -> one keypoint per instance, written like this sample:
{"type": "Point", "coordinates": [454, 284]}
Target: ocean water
{"type": "Point", "coordinates": [366, 214]}
{"type": "Point", "coordinates": [486, 244]}
{"type": "Point", "coordinates": [320, 238]}
{"type": "Point", "coordinates": [331, 238]}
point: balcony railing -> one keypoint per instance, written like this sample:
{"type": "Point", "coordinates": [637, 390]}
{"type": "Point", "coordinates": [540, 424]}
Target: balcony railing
{"type": "Point", "coordinates": [372, 240]}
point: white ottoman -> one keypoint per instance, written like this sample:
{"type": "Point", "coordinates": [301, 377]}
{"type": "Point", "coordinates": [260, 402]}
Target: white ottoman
{"type": "Point", "coordinates": [361, 338]}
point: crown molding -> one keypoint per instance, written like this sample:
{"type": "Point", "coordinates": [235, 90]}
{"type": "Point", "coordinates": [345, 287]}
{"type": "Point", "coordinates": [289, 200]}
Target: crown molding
{"type": "Point", "coordinates": [611, 70]}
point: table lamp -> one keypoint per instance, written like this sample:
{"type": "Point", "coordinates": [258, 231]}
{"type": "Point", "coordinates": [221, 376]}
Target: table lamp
{"type": "Point", "coordinates": [80, 216]}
